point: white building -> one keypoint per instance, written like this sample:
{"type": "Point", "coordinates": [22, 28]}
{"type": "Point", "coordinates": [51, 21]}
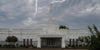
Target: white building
{"type": "Point", "coordinates": [49, 35]}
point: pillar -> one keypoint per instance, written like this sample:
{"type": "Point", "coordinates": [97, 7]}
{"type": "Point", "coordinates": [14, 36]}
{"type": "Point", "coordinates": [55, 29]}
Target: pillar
{"type": "Point", "coordinates": [39, 43]}
{"type": "Point", "coordinates": [63, 43]}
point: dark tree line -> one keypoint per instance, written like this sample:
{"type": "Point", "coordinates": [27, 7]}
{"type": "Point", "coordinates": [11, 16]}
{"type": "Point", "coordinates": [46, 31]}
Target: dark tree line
{"type": "Point", "coordinates": [92, 41]}
{"type": "Point", "coordinates": [63, 27]}
{"type": "Point", "coordinates": [95, 38]}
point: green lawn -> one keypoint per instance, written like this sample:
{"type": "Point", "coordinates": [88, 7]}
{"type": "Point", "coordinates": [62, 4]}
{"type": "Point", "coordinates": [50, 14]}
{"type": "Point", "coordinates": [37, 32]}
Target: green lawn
{"type": "Point", "coordinates": [81, 47]}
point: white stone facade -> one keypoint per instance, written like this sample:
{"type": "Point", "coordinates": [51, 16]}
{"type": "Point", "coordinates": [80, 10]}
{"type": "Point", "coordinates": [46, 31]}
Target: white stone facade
{"type": "Point", "coordinates": [48, 31]}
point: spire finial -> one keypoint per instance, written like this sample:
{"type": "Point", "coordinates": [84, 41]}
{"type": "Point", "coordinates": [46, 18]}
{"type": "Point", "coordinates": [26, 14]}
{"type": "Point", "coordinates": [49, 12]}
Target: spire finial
{"type": "Point", "coordinates": [50, 19]}
{"type": "Point", "coordinates": [51, 5]}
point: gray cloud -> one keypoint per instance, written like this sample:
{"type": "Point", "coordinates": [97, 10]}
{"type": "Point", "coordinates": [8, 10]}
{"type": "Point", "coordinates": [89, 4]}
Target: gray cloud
{"type": "Point", "coordinates": [75, 14]}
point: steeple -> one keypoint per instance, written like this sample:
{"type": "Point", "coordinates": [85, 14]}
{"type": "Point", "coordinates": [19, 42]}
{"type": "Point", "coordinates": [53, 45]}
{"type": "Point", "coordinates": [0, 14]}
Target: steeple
{"type": "Point", "coordinates": [50, 18]}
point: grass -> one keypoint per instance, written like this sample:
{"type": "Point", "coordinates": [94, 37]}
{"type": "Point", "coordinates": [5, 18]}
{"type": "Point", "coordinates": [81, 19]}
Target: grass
{"type": "Point", "coordinates": [17, 47]}
{"type": "Point", "coordinates": [66, 47]}
{"type": "Point", "coordinates": [81, 47]}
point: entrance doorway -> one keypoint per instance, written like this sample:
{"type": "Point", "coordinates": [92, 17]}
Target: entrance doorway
{"type": "Point", "coordinates": [51, 42]}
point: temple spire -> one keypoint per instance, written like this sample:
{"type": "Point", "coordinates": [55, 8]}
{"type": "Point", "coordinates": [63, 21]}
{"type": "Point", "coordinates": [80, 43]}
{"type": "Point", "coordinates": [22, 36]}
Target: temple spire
{"type": "Point", "coordinates": [50, 18]}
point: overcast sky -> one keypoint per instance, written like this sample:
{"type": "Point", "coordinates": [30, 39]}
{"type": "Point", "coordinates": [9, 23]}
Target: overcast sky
{"type": "Point", "coordinates": [75, 14]}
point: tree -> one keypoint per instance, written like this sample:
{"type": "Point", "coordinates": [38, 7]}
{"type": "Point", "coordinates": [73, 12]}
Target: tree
{"type": "Point", "coordinates": [95, 38]}
{"type": "Point", "coordinates": [63, 27]}
{"type": "Point", "coordinates": [11, 39]}
{"type": "Point", "coordinates": [85, 40]}
{"type": "Point", "coordinates": [81, 39]}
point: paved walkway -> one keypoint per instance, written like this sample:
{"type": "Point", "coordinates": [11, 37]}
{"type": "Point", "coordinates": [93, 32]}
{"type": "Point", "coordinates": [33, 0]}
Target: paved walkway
{"type": "Point", "coordinates": [40, 49]}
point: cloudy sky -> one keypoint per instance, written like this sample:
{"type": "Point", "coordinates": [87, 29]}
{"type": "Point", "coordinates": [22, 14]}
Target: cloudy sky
{"type": "Point", "coordinates": [75, 14]}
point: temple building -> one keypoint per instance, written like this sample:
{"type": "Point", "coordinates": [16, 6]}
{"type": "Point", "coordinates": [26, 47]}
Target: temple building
{"type": "Point", "coordinates": [49, 36]}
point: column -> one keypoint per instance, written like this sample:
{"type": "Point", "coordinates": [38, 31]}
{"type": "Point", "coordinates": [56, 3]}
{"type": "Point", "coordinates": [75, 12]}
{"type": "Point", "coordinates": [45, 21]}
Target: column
{"type": "Point", "coordinates": [63, 42]}
{"type": "Point", "coordinates": [39, 43]}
